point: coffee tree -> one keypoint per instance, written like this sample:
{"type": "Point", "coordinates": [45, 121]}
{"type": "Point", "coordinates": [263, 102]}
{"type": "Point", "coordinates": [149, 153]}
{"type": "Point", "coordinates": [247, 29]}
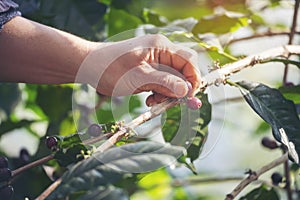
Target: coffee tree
{"type": "Point", "coordinates": [93, 146]}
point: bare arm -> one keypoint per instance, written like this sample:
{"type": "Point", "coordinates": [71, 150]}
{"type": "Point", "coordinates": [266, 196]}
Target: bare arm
{"type": "Point", "coordinates": [34, 53]}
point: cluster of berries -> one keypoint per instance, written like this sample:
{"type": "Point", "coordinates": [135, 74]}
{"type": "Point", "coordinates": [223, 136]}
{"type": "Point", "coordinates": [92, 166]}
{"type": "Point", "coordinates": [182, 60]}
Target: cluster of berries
{"type": "Point", "coordinates": [6, 190]}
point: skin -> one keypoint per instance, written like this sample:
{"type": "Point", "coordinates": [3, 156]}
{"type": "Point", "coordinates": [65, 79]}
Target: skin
{"type": "Point", "coordinates": [34, 53]}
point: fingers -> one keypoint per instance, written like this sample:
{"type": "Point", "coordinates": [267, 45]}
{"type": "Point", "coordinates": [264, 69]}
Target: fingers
{"type": "Point", "coordinates": [183, 60]}
{"type": "Point", "coordinates": [155, 99]}
{"type": "Point", "coordinates": [164, 83]}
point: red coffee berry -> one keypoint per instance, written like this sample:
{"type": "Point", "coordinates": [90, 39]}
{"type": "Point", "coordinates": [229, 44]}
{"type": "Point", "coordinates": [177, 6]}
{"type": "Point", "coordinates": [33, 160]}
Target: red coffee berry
{"type": "Point", "coordinates": [94, 130]}
{"type": "Point", "coordinates": [269, 143]}
{"type": "Point", "coordinates": [3, 162]}
{"type": "Point", "coordinates": [5, 174]}
{"type": "Point", "coordinates": [51, 142]}
{"type": "Point", "coordinates": [194, 103]}
{"type": "Point", "coordinates": [7, 192]}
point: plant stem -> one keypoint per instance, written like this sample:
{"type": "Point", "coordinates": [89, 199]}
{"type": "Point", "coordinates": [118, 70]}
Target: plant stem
{"type": "Point", "coordinates": [291, 37]}
{"type": "Point", "coordinates": [261, 35]}
{"type": "Point", "coordinates": [33, 164]}
{"type": "Point", "coordinates": [255, 175]}
{"type": "Point", "coordinates": [50, 189]}
{"type": "Point", "coordinates": [287, 180]}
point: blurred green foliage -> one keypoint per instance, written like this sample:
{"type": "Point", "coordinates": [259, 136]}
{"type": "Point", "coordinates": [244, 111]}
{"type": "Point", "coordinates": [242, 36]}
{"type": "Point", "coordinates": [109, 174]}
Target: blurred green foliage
{"type": "Point", "coordinates": [204, 22]}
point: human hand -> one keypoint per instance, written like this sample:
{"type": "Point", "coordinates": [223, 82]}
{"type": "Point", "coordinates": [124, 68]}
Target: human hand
{"type": "Point", "coordinates": [147, 63]}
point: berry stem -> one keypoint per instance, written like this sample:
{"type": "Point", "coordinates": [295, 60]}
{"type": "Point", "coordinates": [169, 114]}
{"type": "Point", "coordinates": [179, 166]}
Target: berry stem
{"type": "Point", "coordinates": [31, 165]}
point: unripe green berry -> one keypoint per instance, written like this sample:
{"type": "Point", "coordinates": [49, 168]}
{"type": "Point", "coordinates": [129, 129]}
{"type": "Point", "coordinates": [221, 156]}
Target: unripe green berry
{"type": "Point", "coordinates": [94, 130]}
{"type": "Point", "coordinates": [194, 103]}
{"type": "Point", "coordinates": [3, 162]}
{"type": "Point", "coordinates": [6, 192]}
{"type": "Point", "coordinates": [5, 174]}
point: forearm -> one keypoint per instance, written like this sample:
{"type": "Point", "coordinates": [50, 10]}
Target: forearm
{"type": "Point", "coordinates": [33, 53]}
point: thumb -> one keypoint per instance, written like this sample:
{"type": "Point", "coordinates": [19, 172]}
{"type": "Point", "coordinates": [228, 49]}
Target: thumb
{"type": "Point", "coordinates": [166, 84]}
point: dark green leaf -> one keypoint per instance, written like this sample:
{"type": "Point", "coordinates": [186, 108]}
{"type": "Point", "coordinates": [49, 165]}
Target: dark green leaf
{"type": "Point", "coordinates": [55, 101]}
{"type": "Point", "coordinates": [186, 127]}
{"type": "Point", "coordinates": [83, 18]}
{"type": "Point", "coordinates": [291, 93]}
{"type": "Point", "coordinates": [109, 167]}
{"type": "Point", "coordinates": [9, 125]}
{"type": "Point", "coordinates": [261, 193]}
{"type": "Point", "coordinates": [71, 155]}
{"type": "Point", "coordinates": [279, 112]}
{"type": "Point", "coordinates": [9, 97]}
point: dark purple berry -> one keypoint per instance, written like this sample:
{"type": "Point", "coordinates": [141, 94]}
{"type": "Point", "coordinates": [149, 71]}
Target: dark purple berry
{"type": "Point", "coordinates": [289, 84]}
{"type": "Point", "coordinates": [194, 103]}
{"type": "Point", "coordinates": [190, 92]}
{"type": "Point", "coordinates": [5, 174]}
{"type": "Point", "coordinates": [276, 178]}
{"type": "Point", "coordinates": [3, 162]}
{"type": "Point", "coordinates": [51, 142]}
{"type": "Point", "coordinates": [6, 192]}
{"type": "Point", "coordinates": [269, 143]}
{"type": "Point", "coordinates": [24, 156]}
{"type": "Point", "coordinates": [94, 130]}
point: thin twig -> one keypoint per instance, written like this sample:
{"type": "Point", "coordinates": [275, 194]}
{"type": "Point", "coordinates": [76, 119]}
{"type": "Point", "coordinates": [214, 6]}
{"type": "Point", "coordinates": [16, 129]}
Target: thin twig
{"type": "Point", "coordinates": [261, 35]}
{"type": "Point", "coordinates": [291, 37]}
{"type": "Point", "coordinates": [255, 175]}
{"type": "Point", "coordinates": [49, 190]}
{"type": "Point", "coordinates": [33, 164]}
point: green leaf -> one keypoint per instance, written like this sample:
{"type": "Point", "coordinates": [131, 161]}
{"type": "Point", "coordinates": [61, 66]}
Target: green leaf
{"type": "Point", "coordinates": [120, 21]}
{"type": "Point", "coordinates": [261, 193]}
{"type": "Point", "coordinates": [186, 127]}
{"type": "Point", "coordinates": [9, 125]}
{"type": "Point", "coordinates": [83, 18]}
{"type": "Point", "coordinates": [291, 93]}
{"type": "Point", "coordinates": [71, 155]}
{"type": "Point", "coordinates": [279, 112]}
{"type": "Point", "coordinates": [153, 18]}
{"type": "Point", "coordinates": [110, 167]}
{"type": "Point", "coordinates": [9, 97]}
{"type": "Point", "coordinates": [55, 101]}
{"type": "Point", "coordinates": [219, 24]}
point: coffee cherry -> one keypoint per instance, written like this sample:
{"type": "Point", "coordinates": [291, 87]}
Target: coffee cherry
{"type": "Point", "coordinates": [24, 156]}
{"type": "Point", "coordinates": [3, 162]}
{"type": "Point", "coordinates": [269, 143]}
{"type": "Point", "coordinates": [51, 142]}
{"type": "Point", "coordinates": [194, 103]}
{"type": "Point", "coordinates": [6, 192]}
{"type": "Point", "coordinates": [94, 130]}
{"type": "Point", "coordinates": [5, 174]}
{"type": "Point", "coordinates": [276, 178]}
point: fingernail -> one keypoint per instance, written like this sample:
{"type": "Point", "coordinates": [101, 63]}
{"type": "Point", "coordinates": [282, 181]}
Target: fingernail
{"type": "Point", "coordinates": [180, 89]}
